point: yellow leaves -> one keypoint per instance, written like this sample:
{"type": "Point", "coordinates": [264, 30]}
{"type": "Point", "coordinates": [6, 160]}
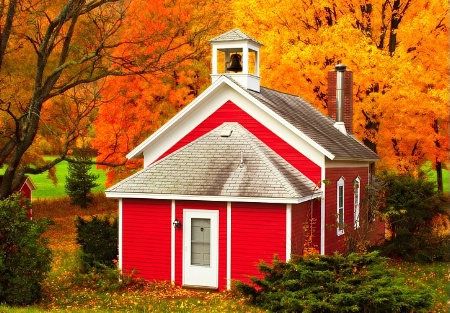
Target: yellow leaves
{"type": "Point", "coordinates": [397, 98]}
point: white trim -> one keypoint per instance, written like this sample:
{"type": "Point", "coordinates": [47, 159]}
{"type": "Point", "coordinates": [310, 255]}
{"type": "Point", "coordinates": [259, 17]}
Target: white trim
{"type": "Point", "coordinates": [209, 92]}
{"type": "Point", "coordinates": [172, 244]}
{"type": "Point", "coordinates": [131, 195]}
{"type": "Point", "coordinates": [339, 230]}
{"type": "Point", "coordinates": [288, 231]}
{"type": "Point", "coordinates": [120, 238]}
{"type": "Point", "coordinates": [228, 245]}
{"type": "Point", "coordinates": [322, 213]}
{"type": "Point", "coordinates": [356, 205]}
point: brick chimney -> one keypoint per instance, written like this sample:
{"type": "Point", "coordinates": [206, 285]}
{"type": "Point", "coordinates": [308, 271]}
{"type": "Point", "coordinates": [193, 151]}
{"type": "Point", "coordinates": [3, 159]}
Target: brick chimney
{"type": "Point", "coordinates": [340, 98]}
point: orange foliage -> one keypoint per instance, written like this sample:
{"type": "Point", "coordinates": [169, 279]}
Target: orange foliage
{"type": "Point", "coordinates": [134, 107]}
{"type": "Point", "coordinates": [401, 93]}
{"type": "Point", "coordinates": [400, 90]}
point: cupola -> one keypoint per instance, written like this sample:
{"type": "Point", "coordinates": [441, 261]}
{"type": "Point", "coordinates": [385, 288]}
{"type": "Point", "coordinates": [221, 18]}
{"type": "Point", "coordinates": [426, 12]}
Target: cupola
{"type": "Point", "coordinates": [236, 55]}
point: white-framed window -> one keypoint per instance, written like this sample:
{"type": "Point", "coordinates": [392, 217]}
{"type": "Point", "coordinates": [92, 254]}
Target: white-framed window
{"type": "Point", "coordinates": [357, 200]}
{"type": "Point", "coordinates": [340, 206]}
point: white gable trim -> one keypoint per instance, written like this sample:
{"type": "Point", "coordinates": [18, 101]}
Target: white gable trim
{"type": "Point", "coordinates": [124, 195]}
{"type": "Point", "coordinates": [166, 136]}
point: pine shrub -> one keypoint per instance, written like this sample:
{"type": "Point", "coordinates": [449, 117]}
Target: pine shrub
{"type": "Point", "coordinates": [97, 237]}
{"type": "Point", "coordinates": [318, 283]}
{"type": "Point", "coordinates": [79, 181]}
{"type": "Point", "coordinates": [24, 254]}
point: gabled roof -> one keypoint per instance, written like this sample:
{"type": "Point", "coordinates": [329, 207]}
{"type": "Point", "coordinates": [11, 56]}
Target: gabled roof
{"type": "Point", "coordinates": [311, 122]}
{"type": "Point", "coordinates": [234, 35]}
{"type": "Point", "coordinates": [226, 164]}
{"type": "Point", "coordinates": [292, 111]}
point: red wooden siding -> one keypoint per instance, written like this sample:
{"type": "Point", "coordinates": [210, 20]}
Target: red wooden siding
{"type": "Point", "coordinates": [146, 230]}
{"type": "Point", "coordinates": [258, 232]}
{"type": "Point", "coordinates": [26, 191]}
{"type": "Point", "coordinates": [202, 205]}
{"type": "Point", "coordinates": [229, 112]}
{"type": "Point", "coordinates": [301, 213]}
{"type": "Point", "coordinates": [332, 241]}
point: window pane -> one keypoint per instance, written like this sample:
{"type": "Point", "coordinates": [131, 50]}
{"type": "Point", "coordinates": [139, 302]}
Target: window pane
{"type": "Point", "coordinates": [200, 241]}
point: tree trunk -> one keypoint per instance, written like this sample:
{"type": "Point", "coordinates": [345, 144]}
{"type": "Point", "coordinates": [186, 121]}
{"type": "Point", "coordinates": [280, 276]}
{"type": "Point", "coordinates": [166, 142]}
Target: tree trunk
{"type": "Point", "coordinates": [440, 183]}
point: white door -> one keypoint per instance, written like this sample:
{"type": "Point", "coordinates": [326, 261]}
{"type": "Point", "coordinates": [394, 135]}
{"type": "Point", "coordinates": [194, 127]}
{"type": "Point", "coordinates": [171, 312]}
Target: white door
{"type": "Point", "coordinates": [200, 248]}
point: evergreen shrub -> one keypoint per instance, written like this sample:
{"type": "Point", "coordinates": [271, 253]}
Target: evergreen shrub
{"type": "Point", "coordinates": [79, 180]}
{"type": "Point", "coordinates": [97, 237]}
{"type": "Point", "coordinates": [319, 283]}
{"type": "Point", "coordinates": [412, 207]}
{"type": "Point", "coordinates": [25, 257]}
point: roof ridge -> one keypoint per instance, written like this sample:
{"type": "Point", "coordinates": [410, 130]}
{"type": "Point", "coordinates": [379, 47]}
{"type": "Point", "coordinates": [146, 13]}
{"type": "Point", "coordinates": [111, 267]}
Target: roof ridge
{"type": "Point", "coordinates": [258, 150]}
{"type": "Point", "coordinates": [234, 34]}
{"type": "Point", "coordinates": [173, 153]}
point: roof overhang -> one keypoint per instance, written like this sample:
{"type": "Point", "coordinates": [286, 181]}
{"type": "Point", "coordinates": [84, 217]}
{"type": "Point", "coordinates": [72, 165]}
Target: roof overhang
{"type": "Point", "coordinates": [110, 194]}
{"type": "Point", "coordinates": [29, 183]}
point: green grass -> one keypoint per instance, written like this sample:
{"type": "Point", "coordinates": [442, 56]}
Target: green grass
{"type": "Point", "coordinates": [431, 173]}
{"type": "Point", "coordinates": [45, 188]}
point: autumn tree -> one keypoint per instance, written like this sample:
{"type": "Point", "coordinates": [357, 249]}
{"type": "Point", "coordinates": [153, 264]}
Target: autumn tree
{"type": "Point", "coordinates": [54, 59]}
{"type": "Point", "coordinates": [139, 105]}
{"type": "Point", "coordinates": [398, 51]}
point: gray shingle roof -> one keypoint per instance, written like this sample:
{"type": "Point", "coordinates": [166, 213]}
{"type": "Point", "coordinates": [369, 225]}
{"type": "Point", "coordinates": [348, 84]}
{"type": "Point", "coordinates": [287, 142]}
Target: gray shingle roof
{"type": "Point", "coordinates": [234, 35]}
{"type": "Point", "coordinates": [238, 165]}
{"type": "Point", "coordinates": [314, 124]}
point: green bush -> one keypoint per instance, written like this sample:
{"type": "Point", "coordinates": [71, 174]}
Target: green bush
{"type": "Point", "coordinates": [411, 207]}
{"type": "Point", "coordinates": [97, 237]}
{"type": "Point", "coordinates": [24, 254]}
{"type": "Point", "coordinates": [317, 283]}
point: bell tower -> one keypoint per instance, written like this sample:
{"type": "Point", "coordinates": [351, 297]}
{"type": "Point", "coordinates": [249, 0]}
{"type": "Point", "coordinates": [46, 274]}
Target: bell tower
{"type": "Point", "coordinates": [236, 55]}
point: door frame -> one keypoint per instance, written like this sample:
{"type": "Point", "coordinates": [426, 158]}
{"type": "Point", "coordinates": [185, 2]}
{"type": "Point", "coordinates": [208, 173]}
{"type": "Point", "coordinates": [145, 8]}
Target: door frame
{"type": "Point", "coordinates": [201, 276]}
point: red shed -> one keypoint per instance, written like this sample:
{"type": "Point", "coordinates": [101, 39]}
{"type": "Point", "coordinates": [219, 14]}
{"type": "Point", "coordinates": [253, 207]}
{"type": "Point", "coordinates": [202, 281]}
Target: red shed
{"type": "Point", "coordinates": [235, 178]}
{"type": "Point", "coordinates": [25, 187]}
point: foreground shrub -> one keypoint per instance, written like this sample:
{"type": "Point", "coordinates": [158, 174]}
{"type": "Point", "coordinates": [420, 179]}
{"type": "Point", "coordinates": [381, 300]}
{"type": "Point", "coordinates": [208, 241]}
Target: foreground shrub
{"type": "Point", "coordinates": [97, 237]}
{"type": "Point", "coordinates": [411, 207]}
{"type": "Point", "coordinates": [317, 283]}
{"type": "Point", "coordinates": [24, 255]}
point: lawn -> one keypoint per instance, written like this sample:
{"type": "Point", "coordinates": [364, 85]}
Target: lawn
{"type": "Point", "coordinates": [431, 173]}
{"type": "Point", "coordinates": [46, 188]}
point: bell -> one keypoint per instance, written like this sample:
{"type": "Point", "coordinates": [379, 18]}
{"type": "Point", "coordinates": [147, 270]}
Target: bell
{"type": "Point", "coordinates": [235, 65]}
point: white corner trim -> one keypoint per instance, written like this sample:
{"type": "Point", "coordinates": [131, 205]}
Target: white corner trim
{"type": "Point", "coordinates": [322, 213]}
{"type": "Point", "coordinates": [228, 245]}
{"type": "Point", "coordinates": [288, 231]}
{"type": "Point", "coordinates": [172, 244]}
{"type": "Point", "coordinates": [120, 238]}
